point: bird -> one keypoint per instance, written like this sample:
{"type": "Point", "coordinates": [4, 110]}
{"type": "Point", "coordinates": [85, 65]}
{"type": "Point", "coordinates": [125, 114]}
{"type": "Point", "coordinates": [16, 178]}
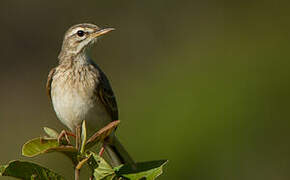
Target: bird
{"type": "Point", "coordinates": [79, 90]}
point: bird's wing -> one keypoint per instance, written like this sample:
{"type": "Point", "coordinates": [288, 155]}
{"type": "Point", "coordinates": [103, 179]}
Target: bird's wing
{"type": "Point", "coordinates": [48, 83]}
{"type": "Point", "coordinates": [106, 95]}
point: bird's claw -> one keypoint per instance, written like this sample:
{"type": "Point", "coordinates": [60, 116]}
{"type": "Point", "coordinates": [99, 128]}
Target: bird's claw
{"type": "Point", "coordinates": [65, 134]}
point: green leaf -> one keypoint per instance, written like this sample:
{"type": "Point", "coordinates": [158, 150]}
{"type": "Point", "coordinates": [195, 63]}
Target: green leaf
{"type": "Point", "coordinates": [148, 170]}
{"type": "Point", "coordinates": [145, 170]}
{"type": "Point", "coordinates": [2, 169]}
{"type": "Point", "coordinates": [84, 137]}
{"type": "Point", "coordinates": [51, 132]}
{"type": "Point", "coordinates": [110, 177]}
{"type": "Point", "coordinates": [101, 169]}
{"type": "Point", "coordinates": [38, 146]}
{"type": "Point", "coordinates": [28, 171]}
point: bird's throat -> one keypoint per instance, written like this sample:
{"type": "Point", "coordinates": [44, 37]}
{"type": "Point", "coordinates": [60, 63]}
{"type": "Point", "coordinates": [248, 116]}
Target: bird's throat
{"type": "Point", "coordinates": [81, 58]}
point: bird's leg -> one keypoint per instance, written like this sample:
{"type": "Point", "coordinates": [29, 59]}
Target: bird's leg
{"type": "Point", "coordinates": [78, 136]}
{"type": "Point", "coordinates": [102, 150]}
{"type": "Point", "coordinates": [65, 134]}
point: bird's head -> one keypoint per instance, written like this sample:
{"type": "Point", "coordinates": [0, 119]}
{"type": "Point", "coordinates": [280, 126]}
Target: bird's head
{"type": "Point", "coordinates": [80, 37]}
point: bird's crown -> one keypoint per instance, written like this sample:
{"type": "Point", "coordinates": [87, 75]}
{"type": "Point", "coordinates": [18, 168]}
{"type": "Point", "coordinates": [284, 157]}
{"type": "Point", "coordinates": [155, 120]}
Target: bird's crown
{"type": "Point", "coordinates": [78, 37]}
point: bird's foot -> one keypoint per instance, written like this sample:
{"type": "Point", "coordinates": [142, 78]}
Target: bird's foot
{"type": "Point", "coordinates": [65, 134]}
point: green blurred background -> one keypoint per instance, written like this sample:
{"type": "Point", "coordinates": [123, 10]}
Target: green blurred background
{"type": "Point", "coordinates": [204, 84]}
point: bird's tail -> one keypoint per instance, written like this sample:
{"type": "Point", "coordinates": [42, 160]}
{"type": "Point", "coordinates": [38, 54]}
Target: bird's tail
{"type": "Point", "coordinates": [117, 153]}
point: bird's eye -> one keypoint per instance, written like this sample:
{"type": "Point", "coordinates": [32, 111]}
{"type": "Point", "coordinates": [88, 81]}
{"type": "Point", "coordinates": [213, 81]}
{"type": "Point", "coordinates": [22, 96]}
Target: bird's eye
{"type": "Point", "coordinates": [80, 33]}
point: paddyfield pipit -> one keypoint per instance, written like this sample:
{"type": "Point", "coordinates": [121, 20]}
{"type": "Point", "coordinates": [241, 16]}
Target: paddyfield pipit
{"type": "Point", "coordinates": [79, 90]}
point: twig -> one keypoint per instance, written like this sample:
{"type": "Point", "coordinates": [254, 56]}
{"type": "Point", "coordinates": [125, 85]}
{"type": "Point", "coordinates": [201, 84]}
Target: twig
{"type": "Point", "coordinates": [81, 163]}
{"type": "Point", "coordinates": [77, 173]}
{"type": "Point", "coordinates": [102, 134]}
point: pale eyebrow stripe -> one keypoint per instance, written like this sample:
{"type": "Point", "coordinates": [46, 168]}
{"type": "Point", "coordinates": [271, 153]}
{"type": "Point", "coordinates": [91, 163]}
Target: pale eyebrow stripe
{"type": "Point", "coordinates": [74, 31]}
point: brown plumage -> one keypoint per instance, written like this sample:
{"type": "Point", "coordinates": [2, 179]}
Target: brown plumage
{"type": "Point", "coordinates": [79, 90]}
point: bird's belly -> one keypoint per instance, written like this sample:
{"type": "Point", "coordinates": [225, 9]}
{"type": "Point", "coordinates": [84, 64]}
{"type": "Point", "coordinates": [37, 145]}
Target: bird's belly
{"type": "Point", "coordinates": [72, 106]}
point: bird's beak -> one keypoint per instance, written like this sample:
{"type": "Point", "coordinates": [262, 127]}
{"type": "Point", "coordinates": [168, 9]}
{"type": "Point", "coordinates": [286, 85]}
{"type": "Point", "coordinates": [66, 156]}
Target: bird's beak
{"type": "Point", "coordinates": [102, 31]}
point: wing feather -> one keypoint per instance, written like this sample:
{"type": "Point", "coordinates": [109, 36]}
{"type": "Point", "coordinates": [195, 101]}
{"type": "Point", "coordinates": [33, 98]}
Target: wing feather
{"type": "Point", "coordinates": [106, 95]}
{"type": "Point", "coordinates": [48, 83]}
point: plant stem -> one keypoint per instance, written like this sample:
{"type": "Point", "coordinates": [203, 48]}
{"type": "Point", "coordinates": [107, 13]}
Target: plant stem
{"type": "Point", "coordinates": [77, 173]}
